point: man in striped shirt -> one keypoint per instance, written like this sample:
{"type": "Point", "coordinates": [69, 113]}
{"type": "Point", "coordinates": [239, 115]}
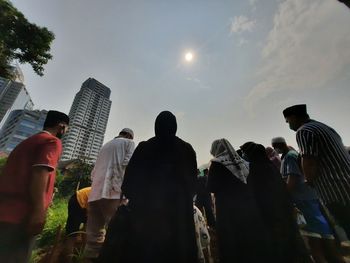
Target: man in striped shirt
{"type": "Point", "coordinates": [325, 162]}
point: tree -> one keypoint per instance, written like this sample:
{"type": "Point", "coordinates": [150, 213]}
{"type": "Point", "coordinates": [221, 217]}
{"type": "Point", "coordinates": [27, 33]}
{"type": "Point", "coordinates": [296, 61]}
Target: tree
{"type": "Point", "coordinates": [21, 40]}
{"type": "Point", "coordinates": [76, 177]}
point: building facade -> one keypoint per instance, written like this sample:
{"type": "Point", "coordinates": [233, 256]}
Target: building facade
{"type": "Point", "coordinates": [13, 96]}
{"type": "Point", "coordinates": [19, 125]}
{"type": "Point", "coordinates": [88, 121]}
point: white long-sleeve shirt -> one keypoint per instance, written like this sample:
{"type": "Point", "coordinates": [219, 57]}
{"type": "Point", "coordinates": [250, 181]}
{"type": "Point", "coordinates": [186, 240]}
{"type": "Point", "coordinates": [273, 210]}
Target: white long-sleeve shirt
{"type": "Point", "coordinates": [108, 173]}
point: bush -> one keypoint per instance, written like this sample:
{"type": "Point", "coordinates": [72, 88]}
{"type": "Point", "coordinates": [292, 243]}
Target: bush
{"type": "Point", "coordinates": [56, 215]}
{"type": "Point", "coordinates": [77, 177]}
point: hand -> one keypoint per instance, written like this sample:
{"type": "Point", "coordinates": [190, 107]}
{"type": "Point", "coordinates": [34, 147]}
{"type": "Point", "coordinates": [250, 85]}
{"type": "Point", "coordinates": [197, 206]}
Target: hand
{"type": "Point", "coordinates": [35, 223]}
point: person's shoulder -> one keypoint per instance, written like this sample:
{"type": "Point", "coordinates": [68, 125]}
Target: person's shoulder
{"type": "Point", "coordinates": [184, 144]}
{"type": "Point", "coordinates": [312, 125]}
{"type": "Point", "coordinates": [44, 138]}
{"type": "Point", "coordinates": [291, 156]}
{"type": "Point", "coordinates": [292, 153]}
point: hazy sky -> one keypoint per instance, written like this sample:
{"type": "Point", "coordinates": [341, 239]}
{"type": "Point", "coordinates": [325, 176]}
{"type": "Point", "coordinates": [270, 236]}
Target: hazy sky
{"type": "Point", "coordinates": [252, 58]}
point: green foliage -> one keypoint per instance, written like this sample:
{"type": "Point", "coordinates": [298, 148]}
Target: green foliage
{"type": "Point", "coordinates": [57, 215]}
{"type": "Point", "coordinates": [77, 177]}
{"type": "Point", "coordinates": [21, 40]}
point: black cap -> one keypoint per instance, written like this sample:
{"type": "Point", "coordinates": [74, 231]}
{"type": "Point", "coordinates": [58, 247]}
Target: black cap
{"type": "Point", "coordinates": [55, 117]}
{"type": "Point", "coordinates": [297, 110]}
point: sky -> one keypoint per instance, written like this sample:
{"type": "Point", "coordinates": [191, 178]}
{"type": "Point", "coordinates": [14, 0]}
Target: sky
{"type": "Point", "coordinates": [252, 59]}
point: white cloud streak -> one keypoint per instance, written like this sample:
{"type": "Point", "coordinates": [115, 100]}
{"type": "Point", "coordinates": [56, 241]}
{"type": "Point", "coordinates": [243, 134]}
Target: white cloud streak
{"type": "Point", "coordinates": [240, 24]}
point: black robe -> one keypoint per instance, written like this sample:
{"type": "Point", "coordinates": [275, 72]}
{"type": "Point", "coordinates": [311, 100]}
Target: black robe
{"type": "Point", "coordinates": [241, 233]}
{"type": "Point", "coordinates": [160, 184]}
{"type": "Point", "coordinates": [276, 209]}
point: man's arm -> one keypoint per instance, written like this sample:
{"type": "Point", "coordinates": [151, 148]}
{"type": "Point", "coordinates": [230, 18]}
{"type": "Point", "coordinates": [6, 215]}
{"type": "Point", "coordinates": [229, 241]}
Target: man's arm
{"type": "Point", "coordinates": [129, 151]}
{"type": "Point", "coordinates": [37, 190]}
{"type": "Point", "coordinates": [310, 168]}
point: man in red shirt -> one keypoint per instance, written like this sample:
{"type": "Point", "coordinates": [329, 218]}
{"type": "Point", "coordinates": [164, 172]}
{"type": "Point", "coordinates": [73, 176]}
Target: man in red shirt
{"type": "Point", "coordinates": [26, 188]}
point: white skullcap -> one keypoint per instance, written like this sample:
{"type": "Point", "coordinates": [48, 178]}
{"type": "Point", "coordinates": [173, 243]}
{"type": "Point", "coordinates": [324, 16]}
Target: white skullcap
{"type": "Point", "coordinates": [129, 131]}
{"type": "Point", "coordinates": [278, 140]}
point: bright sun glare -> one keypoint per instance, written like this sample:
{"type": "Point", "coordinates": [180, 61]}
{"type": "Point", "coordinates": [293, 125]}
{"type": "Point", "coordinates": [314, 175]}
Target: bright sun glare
{"type": "Point", "coordinates": [189, 56]}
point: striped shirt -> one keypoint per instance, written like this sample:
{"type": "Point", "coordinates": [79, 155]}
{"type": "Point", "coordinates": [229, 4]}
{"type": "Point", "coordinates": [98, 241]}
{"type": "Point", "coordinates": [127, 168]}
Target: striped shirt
{"type": "Point", "coordinates": [320, 141]}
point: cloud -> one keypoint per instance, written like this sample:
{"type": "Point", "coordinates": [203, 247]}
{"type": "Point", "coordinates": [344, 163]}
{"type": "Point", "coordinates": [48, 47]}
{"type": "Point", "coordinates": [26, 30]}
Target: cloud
{"type": "Point", "coordinates": [253, 3]}
{"type": "Point", "coordinates": [241, 42]}
{"type": "Point", "coordinates": [198, 83]}
{"type": "Point", "coordinates": [240, 24]}
{"type": "Point", "coordinates": [307, 48]}
{"type": "Point", "coordinates": [180, 115]}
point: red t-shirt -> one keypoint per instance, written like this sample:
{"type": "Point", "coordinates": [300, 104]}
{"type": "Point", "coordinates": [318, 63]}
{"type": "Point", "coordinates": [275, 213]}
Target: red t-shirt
{"type": "Point", "coordinates": [41, 149]}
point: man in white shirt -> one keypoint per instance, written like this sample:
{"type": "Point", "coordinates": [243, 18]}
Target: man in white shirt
{"type": "Point", "coordinates": [107, 178]}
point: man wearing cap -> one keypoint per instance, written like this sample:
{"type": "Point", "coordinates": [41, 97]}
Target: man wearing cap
{"type": "Point", "coordinates": [325, 162]}
{"type": "Point", "coordinates": [317, 229]}
{"type": "Point", "coordinates": [26, 188]}
{"type": "Point", "coordinates": [107, 178]}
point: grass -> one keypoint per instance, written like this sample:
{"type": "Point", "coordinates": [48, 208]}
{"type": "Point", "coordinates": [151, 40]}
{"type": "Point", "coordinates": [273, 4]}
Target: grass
{"type": "Point", "coordinates": [56, 216]}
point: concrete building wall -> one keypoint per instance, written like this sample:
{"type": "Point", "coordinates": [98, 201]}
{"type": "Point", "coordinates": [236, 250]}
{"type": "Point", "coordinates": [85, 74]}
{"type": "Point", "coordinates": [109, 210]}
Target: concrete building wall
{"type": "Point", "coordinates": [88, 121]}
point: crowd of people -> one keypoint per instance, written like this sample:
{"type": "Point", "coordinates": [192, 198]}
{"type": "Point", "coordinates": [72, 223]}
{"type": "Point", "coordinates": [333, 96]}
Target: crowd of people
{"type": "Point", "coordinates": [152, 204]}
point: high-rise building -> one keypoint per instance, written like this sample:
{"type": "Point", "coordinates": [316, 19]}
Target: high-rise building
{"type": "Point", "coordinates": [88, 121]}
{"type": "Point", "coordinates": [13, 96]}
{"type": "Point", "coordinates": [19, 125]}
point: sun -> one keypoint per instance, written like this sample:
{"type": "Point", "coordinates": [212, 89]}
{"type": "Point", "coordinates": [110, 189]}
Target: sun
{"type": "Point", "coordinates": [189, 56]}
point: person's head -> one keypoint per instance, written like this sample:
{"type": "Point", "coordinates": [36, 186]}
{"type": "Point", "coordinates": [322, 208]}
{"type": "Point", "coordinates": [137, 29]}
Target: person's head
{"type": "Point", "coordinates": [165, 125]}
{"type": "Point", "coordinates": [126, 133]}
{"type": "Point", "coordinates": [56, 123]}
{"type": "Point", "coordinates": [271, 153]}
{"type": "Point", "coordinates": [280, 145]}
{"type": "Point", "coordinates": [296, 116]}
{"type": "Point", "coordinates": [221, 147]}
{"type": "Point", "coordinates": [243, 148]}
{"type": "Point", "coordinates": [254, 152]}
{"type": "Point", "coordinates": [217, 148]}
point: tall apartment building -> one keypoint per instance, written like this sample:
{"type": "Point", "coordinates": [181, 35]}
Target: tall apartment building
{"type": "Point", "coordinates": [13, 96]}
{"type": "Point", "coordinates": [19, 125]}
{"type": "Point", "coordinates": [88, 121]}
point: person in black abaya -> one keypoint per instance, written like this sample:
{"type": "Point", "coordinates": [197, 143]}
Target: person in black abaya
{"type": "Point", "coordinates": [275, 205]}
{"type": "Point", "coordinates": [160, 184]}
{"type": "Point", "coordinates": [241, 233]}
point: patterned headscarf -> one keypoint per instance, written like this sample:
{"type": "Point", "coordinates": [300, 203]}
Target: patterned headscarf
{"type": "Point", "coordinates": [225, 154]}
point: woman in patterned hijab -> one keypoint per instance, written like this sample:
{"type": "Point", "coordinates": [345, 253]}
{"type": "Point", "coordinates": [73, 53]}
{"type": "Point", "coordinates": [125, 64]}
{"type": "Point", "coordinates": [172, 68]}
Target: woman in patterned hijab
{"type": "Point", "coordinates": [240, 231]}
{"type": "Point", "coordinates": [225, 154]}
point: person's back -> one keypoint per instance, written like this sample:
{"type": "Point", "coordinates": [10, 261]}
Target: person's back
{"type": "Point", "coordinates": [105, 195]}
{"type": "Point", "coordinates": [241, 233]}
{"type": "Point", "coordinates": [274, 203]}
{"type": "Point", "coordinates": [16, 175]}
{"type": "Point", "coordinates": [26, 188]}
{"type": "Point", "coordinates": [325, 162]}
{"type": "Point", "coordinates": [333, 159]}
{"type": "Point", "coordinates": [290, 165]}
{"type": "Point", "coordinates": [108, 172]}
{"type": "Point", "coordinates": [160, 184]}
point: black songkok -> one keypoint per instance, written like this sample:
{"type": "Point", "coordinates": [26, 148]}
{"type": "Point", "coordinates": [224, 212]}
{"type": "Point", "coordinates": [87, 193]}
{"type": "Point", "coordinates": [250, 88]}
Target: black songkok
{"type": "Point", "coordinates": [297, 110]}
{"type": "Point", "coordinates": [55, 117]}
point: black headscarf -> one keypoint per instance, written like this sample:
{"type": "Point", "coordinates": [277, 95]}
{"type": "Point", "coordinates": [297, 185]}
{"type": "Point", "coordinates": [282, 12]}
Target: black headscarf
{"type": "Point", "coordinates": [165, 126]}
{"type": "Point", "coordinates": [254, 152]}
